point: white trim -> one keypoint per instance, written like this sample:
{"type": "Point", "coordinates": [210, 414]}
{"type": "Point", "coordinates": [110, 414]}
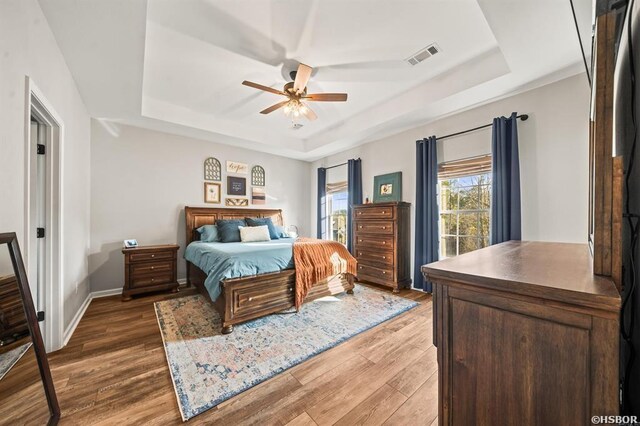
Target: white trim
{"type": "Point", "coordinates": [106, 293]}
{"type": "Point", "coordinates": [76, 320]}
{"type": "Point", "coordinates": [37, 103]}
{"type": "Point", "coordinates": [78, 316]}
{"type": "Point", "coordinates": [96, 295]}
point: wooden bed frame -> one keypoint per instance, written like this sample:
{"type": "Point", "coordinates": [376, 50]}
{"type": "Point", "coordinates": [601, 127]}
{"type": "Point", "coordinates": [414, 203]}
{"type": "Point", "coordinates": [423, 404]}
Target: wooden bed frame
{"type": "Point", "coordinates": [247, 298]}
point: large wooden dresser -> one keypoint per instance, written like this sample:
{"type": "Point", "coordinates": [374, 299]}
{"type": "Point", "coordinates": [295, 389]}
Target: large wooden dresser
{"type": "Point", "coordinates": [526, 334]}
{"type": "Point", "coordinates": [382, 243]}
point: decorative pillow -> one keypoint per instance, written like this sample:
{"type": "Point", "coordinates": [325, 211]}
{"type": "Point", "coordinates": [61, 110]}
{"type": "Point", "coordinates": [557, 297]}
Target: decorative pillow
{"type": "Point", "coordinates": [250, 234]}
{"type": "Point", "coordinates": [253, 221]}
{"type": "Point", "coordinates": [229, 230]}
{"type": "Point", "coordinates": [281, 231]}
{"type": "Point", "coordinates": [209, 233]}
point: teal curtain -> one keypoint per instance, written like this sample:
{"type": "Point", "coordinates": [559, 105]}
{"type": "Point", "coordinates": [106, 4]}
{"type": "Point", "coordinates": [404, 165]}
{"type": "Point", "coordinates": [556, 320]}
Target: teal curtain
{"type": "Point", "coordinates": [354, 181]}
{"type": "Point", "coordinates": [427, 238]}
{"type": "Point", "coordinates": [322, 201]}
{"type": "Point", "coordinates": [506, 216]}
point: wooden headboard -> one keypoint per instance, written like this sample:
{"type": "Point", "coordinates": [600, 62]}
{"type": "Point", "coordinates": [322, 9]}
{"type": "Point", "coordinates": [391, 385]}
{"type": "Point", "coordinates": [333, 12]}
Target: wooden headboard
{"type": "Point", "coordinates": [195, 217]}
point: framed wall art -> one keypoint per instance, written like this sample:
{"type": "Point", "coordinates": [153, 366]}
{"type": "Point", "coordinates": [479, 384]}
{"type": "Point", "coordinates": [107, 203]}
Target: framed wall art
{"type": "Point", "coordinates": [236, 202]}
{"type": "Point", "coordinates": [257, 176]}
{"type": "Point", "coordinates": [387, 187]}
{"type": "Point", "coordinates": [212, 169]}
{"type": "Point", "coordinates": [236, 185]}
{"type": "Point", "coordinates": [237, 168]}
{"type": "Point", "coordinates": [212, 193]}
{"type": "Point", "coordinates": [258, 196]}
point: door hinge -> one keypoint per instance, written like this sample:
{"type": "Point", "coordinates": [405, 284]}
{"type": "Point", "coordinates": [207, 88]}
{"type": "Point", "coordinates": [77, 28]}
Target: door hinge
{"type": "Point", "coordinates": [41, 149]}
{"type": "Point", "coordinates": [40, 232]}
{"type": "Point", "coordinates": [40, 316]}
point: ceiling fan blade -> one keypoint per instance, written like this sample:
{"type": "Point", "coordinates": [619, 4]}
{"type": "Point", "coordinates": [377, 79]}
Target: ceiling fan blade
{"type": "Point", "coordinates": [327, 97]}
{"type": "Point", "coordinates": [308, 112]}
{"type": "Point", "coordinates": [302, 77]}
{"type": "Point", "coordinates": [274, 107]}
{"type": "Point", "coordinates": [265, 88]}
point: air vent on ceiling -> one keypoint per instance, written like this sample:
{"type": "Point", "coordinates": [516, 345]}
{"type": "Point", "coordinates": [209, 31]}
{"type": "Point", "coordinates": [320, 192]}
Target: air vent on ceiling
{"type": "Point", "coordinates": [423, 54]}
{"type": "Point", "coordinates": [296, 126]}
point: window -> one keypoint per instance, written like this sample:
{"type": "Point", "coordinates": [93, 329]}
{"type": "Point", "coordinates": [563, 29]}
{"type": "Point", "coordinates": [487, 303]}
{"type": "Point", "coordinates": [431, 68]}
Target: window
{"type": "Point", "coordinates": [465, 203]}
{"type": "Point", "coordinates": [337, 199]}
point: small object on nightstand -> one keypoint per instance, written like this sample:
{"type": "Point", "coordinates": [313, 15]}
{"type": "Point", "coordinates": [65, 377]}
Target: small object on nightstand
{"type": "Point", "coordinates": [150, 268]}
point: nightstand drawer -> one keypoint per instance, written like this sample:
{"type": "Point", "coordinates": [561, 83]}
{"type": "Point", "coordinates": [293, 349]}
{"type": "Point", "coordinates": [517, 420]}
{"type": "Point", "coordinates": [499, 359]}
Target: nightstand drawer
{"type": "Point", "coordinates": [374, 227]}
{"type": "Point", "coordinates": [151, 280]}
{"type": "Point", "coordinates": [151, 268]}
{"type": "Point", "coordinates": [156, 255]}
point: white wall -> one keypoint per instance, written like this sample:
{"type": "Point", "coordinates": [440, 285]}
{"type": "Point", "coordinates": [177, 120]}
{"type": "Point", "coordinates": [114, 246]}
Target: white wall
{"type": "Point", "coordinates": [553, 156]}
{"type": "Point", "coordinates": [141, 180]}
{"type": "Point", "coordinates": [28, 48]}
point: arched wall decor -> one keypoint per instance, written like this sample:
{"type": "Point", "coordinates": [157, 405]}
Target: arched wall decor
{"type": "Point", "coordinates": [212, 169]}
{"type": "Point", "coordinates": [257, 176]}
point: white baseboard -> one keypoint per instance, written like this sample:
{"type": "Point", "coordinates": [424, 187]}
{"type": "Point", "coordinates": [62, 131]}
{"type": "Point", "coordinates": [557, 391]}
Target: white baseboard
{"type": "Point", "coordinates": [76, 320]}
{"type": "Point", "coordinates": [94, 295]}
{"type": "Point", "coordinates": [106, 293]}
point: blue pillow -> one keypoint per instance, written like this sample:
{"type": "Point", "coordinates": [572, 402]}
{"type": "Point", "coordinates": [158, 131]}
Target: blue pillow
{"type": "Point", "coordinates": [281, 231]}
{"type": "Point", "coordinates": [228, 230]}
{"type": "Point", "coordinates": [209, 233]}
{"type": "Point", "coordinates": [273, 233]}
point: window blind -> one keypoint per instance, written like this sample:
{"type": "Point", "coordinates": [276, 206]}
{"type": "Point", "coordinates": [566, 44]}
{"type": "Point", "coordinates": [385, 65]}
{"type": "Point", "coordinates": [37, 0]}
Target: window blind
{"type": "Point", "coordinates": [465, 167]}
{"type": "Point", "coordinates": [335, 187]}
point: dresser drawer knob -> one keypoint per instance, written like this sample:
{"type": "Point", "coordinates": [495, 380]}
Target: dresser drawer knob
{"type": "Point", "coordinates": [153, 255]}
{"type": "Point", "coordinates": [153, 267]}
{"type": "Point", "coordinates": [383, 212]}
{"type": "Point", "coordinates": [360, 254]}
{"type": "Point", "coordinates": [384, 272]}
{"type": "Point", "coordinates": [384, 227]}
{"type": "Point", "coordinates": [361, 267]}
{"type": "Point", "coordinates": [360, 226]}
{"type": "Point", "coordinates": [359, 241]}
{"type": "Point", "coordinates": [153, 279]}
{"type": "Point", "coordinates": [384, 257]}
{"type": "Point", "coordinates": [290, 289]}
{"type": "Point", "coordinates": [384, 242]}
{"type": "Point", "coordinates": [250, 299]}
{"type": "Point", "coordinates": [359, 212]}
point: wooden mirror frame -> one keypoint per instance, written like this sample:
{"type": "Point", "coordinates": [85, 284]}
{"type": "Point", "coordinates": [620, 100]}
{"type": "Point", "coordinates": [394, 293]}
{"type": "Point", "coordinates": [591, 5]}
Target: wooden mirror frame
{"type": "Point", "coordinates": [11, 241]}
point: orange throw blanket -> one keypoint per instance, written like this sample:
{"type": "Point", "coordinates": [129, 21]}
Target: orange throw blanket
{"type": "Point", "coordinates": [316, 260]}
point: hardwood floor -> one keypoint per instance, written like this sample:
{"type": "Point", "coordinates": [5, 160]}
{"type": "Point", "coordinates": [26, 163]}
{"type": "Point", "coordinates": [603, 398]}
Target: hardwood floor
{"type": "Point", "coordinates": [114, 371]}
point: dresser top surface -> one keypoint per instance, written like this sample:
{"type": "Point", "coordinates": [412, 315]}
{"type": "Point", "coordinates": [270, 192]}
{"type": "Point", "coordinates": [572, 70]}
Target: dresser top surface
{"type": "Point", "coordinates": [554, 271]}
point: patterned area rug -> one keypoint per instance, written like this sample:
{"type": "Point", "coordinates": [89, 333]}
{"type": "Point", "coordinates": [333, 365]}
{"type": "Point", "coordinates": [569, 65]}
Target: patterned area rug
{"type": "Point", "coordinates": [9, 359]}
{"type": "Point", "coordinates": [208, 367]}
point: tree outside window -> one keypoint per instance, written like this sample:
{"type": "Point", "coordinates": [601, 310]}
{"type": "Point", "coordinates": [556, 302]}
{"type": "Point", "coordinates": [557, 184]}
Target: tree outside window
{"type": "Point", "coordinates": [465, 205]}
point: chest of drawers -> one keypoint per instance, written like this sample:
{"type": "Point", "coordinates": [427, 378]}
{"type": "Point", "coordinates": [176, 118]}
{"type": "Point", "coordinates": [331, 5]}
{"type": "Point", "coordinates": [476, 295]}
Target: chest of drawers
{"type": "Point", "coordinates": [381, 235]}
{"type": "Point", "coordinates": [150, 268]}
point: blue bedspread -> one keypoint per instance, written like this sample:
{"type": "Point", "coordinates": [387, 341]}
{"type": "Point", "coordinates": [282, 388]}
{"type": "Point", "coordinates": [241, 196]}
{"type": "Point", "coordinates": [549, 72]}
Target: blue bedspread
{"type": "Point", "coordinates": [234, 260]}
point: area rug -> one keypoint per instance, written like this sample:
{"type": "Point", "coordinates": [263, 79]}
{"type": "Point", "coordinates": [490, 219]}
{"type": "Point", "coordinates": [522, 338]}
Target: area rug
{"type": "Point", "coordinates": [208, 367]}
{"type": "Point", "coordinates": [10, 358]}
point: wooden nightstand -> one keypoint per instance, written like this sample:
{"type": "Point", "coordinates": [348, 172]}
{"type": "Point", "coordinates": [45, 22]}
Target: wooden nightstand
{"type": "Point", "coordinates": [150, 268]}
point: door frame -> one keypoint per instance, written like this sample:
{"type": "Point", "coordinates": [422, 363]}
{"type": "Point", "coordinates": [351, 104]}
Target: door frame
{"type": "Point", "coordinates": [36, 104]}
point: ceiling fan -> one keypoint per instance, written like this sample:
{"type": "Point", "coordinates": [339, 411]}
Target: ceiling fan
{"type": "Point", "coordinates": [296, 92]}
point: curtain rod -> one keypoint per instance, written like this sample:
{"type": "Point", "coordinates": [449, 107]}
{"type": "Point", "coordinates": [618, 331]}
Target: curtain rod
{"type": "Point", "coordinates": [523, 117]}
{"type": "Point", "coordinates": [338, 165]}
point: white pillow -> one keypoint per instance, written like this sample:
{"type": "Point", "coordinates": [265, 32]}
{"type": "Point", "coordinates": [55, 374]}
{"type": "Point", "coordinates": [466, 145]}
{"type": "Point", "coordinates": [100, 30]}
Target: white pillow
{"type": "Point", "coordinates": [250, 234]}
